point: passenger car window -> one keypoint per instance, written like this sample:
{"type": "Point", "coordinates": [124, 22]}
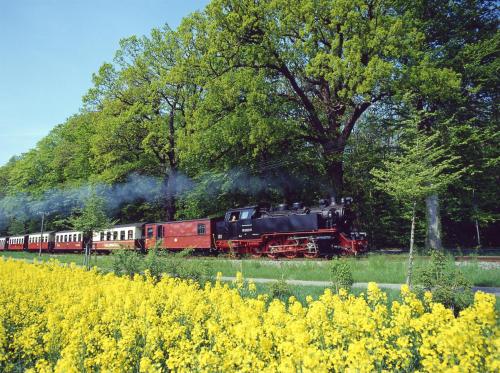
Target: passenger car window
{"type": "Point", "coordinates": [159, 231]}
{"type": "Point", "coordinates": [150, 232]}
{"type": "Point", "coordinates": [201, 229]}
{"type": "Point", "coordinates": [122, 235]}
{"type": "Point", "coordinates": [130, 234]}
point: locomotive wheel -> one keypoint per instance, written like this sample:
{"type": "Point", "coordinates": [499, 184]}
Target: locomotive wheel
{"type": "Point", "coordinates": [256, 254]}
{"type": "Point", "coordinates": [273, 242]}
{"type": "Point", "coordinates": [311, 255]}
{"type": "Point", "coordinates": [272, 255]}
{"type": "Point", "coordinates": [292, 248]}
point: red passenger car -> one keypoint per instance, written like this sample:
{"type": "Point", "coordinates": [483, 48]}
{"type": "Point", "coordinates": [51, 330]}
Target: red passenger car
{"type": "Point", "coordinates": [69, 241]}
{"type": "Point", "coordinates": [126, 236]}
{"type": "Point", "coordinates": [4, 243]}
{"type": "Point", "coordinates": [44, 241]}
{"type": "Point", "coordinates": [184, 234]}
{"type": "Point", "coordinates": [18, 243]}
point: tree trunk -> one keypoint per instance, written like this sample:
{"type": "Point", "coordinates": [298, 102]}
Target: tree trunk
{"type": "Point", "coordinates": [478, 235]}
{"type": "Point", "coordinates": [336, 175]}
{"type": "Point", "coordinates": [170, 205]}
{"type": "Point", "coordinates": [172, 161]}
{"type": "Point", "coordinates": [474, 207]}
{"type": "Point", "coordinates": [334, 167]}
{"type": "Point", "coordinates": [86, 258]}
{"type": "Point", "coordinates": [412, 239]}
{"type": "Point", "coordinates": [433, 237]}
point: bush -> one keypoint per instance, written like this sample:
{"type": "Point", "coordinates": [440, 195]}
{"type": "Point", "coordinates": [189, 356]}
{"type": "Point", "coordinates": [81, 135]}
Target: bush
{"type": "Point", "coordinates": [126, 262]}
{"type": "Point", "coordinates": [154, 264]}
{"type": "Point", "coordinates": [341, 275]}
{"type": "Point", "coordinates": [280, 290]}
{"type": "Point", "coordinates": [447, 283]}
{"type": "Point", "coordinates": [179, 266]}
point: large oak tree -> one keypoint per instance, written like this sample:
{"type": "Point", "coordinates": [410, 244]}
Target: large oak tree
{"type": "Point", "coordinates": [332, 59]}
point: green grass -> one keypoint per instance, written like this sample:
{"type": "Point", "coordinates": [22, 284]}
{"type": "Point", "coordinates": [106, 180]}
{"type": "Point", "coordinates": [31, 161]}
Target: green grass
{"type": "Point", "coordinates": [376, 267]}
{"type": "Point", "coordinates": [481, 277]}
{"type": "Point", "coordinates": [373, 267]}
{"type": "Point", "coordinates": [101, 261]}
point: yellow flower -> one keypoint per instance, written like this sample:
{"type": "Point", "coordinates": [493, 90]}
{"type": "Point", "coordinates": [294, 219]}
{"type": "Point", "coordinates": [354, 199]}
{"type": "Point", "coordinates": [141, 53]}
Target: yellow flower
{"type": "Point", "coordinates": [251, 287]}
{"type": "Point", "coordinates": [66, 319]}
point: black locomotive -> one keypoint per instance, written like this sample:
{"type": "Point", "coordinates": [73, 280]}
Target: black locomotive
{"type": "Point", "coordinates": [291, 230]}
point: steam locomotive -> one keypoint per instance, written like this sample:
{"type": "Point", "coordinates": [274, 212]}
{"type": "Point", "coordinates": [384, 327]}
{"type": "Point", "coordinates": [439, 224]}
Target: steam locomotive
{"type": "Point", "coordinates": [291, 231]}
{"type": "Point", "coordinates": [282, 231]}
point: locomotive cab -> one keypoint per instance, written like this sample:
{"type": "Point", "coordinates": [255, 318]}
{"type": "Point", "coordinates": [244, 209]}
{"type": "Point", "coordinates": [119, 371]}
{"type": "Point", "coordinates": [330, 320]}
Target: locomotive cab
{"type": "Point", "coordinates": [243, 213]}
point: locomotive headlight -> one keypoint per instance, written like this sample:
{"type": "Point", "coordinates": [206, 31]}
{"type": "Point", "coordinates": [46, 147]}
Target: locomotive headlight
{"type": "Point", "coordinates": [330, 214]}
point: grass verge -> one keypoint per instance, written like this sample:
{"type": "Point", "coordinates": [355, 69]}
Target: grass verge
{"type": "Point", "coordinates": [379, 268]}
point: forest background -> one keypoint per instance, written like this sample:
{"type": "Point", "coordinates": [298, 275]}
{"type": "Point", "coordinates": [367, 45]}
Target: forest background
{"type": "Point", "coordinates": [278, 101]}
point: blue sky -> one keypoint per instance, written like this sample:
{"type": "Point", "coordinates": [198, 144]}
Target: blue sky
{"type": "Point", "coordinates": [49, 50]}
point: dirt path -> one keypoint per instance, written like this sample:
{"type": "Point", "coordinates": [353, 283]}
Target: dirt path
{"type": "Point", "coordinates": [491, 290]}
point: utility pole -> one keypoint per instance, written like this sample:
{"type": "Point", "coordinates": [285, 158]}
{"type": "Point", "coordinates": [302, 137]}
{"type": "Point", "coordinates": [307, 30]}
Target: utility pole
{"type": "Point", "coordinates": [412, 238]}
{"type": "Point", "coordinates": [41, 236]}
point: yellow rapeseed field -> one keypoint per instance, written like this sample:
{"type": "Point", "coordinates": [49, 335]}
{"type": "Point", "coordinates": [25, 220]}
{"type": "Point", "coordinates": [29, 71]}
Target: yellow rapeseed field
{"type": "Point", "coordinates": [65, 319]}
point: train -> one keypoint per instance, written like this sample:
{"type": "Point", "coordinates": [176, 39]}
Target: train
{"type": "Point", "coordinates": [287, 231]}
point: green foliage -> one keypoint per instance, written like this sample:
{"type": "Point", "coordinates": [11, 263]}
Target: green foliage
{"type": "Point", "coordinates": [179, 265]}
{"type": "Point", "coordinates": [422, 168]}
{"type": "Point", "coordinates": [341, 275]}
{"type": "Point", "coordinates": [447, 284]}
{"type": "Point", "coordinates": [153, 263]}
{"type": "Point", "coordinates": [159, 263]}
{"type": "Point", "coordinates": [127, 262]}
{"type": "Point", "coordinates": [330, 60]}
{"type": "Point", "coordinates": [380, 215]}
{"type": "Point", "coordinates": [92, 217]}
{"type": "Point", "coordinates": [16, 227]}
{"type": "Point", "coordinates": [280, 290]}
